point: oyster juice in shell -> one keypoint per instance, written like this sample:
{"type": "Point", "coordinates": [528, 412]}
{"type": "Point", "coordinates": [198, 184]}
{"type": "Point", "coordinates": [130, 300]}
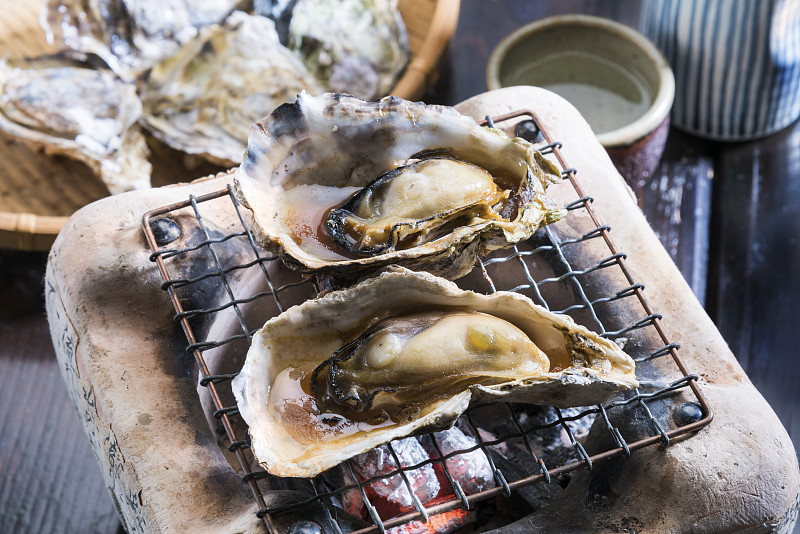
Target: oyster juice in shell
{"type": "Point", "coordinates": [314, 177]}
{"type": "Point", "coordinates": [405, 353]}
{"type": "Point", "coordinates": [204, 98]}
{"type": "Point", "coordinates": [86, 114]}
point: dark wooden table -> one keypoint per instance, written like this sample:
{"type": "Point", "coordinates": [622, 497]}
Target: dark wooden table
{"type": "Point", "coordinates": [728, 213]}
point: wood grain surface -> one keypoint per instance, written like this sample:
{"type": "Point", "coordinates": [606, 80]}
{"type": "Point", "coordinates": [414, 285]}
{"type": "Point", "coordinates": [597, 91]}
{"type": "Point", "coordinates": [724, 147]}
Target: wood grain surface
{"type": "Point", "coordinates": [754, 264]}
{"type": "Point", "coordinates": [49, 481]}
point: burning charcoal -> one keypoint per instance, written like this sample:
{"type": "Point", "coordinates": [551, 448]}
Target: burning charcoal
{"type": "Point", "coordinates": [351, 500]}
{"type": "Point", "coordinates": [471, 470]}
{"type": "Point", "coordinates": [488, 437]}
{"type": "Point", "coordinates": [536, 495]}
{"type": "Point", "coordinates": [390, 495]}
{"type": "Point", "coordinates": [300, 512]}
{"type": "Point", "coordinates": [546, 436]}
{"type": "Point", "coordinates": [496, 420]}
{"type": "Point", "coordinates": [440, 524]}
{"type": "Point", "coordinates": [579, 427]}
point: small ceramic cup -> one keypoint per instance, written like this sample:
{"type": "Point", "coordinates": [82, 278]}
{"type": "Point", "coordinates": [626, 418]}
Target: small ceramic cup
{"type": "Point", "coordinates": [736, 63]}
{"type": "Point", "coordinates": [619, 81]}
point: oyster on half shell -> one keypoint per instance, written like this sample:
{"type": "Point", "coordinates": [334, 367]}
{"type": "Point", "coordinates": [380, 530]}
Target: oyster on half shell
{"type": "Point", "coordinates": [86, 114]}
{"type": "Point", "coordinates": [204, 98]}
{"type": "Point", "coordinates": [342, 186]}
{"type": "Point", "coordinates": [405, 353]}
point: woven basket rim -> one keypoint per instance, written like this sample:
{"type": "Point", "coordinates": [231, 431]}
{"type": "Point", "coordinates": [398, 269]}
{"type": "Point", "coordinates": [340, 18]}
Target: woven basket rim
{"type": "Point", "coordinates": [33, 231]}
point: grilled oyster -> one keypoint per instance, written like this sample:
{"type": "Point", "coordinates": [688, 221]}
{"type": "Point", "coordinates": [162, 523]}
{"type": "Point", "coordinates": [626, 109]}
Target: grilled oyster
{"type": "Point", "coordinates": [313, 175]}
{"type": "Point", "coordinates": [351, 46]}
{"type": "Point", "coordinates": [404, 353]}
{"type": "Point", "coordinates": [203, 99]}
{"type": "Point", "coordinates": [130, 35]}
{"type": "Point", "coordinates": [413, 204]}
{"type": "Point", "coordinates": [86, 114]}
{"type": "Point", "coordinates": [388, 369]}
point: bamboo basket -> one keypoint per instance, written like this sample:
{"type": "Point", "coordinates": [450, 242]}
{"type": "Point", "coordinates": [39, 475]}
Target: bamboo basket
{"type": "Point", "coordinates": [39, 192]}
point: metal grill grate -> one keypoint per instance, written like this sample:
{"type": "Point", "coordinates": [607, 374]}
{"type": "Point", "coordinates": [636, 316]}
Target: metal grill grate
{"type": "Point", "coordinates": [570, 269]}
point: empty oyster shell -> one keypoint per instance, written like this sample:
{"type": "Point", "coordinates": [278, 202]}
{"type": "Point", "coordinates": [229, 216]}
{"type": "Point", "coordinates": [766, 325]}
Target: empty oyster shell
{"type": "Point", "coordinates": [358, 47]}
{"type": "Point", "coordinates": [204, 99]}
{"type": "Point", "coordinates": [307, 159]}
{"type": "Point", "coordinates": [86, 114]}
{"type": "Point", "coordinates": [130, 35]}
{"type": "Point", "coordinates": [404, 353]}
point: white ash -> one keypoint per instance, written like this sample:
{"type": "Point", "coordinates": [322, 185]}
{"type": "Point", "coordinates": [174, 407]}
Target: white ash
{"type": "Point", "coordinates": [471, 470]}
{"type": "Point", "coordinates": [580, 427]}
{"type": "Point", "coordinates": [549, 441]}
{"type": "Point", "coordinates": [380, 461]}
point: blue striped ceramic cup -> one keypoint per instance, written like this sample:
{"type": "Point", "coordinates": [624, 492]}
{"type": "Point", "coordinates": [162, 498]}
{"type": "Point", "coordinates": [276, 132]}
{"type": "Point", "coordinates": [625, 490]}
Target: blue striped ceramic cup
{"type": "Point", "coordinates": [736, 63]}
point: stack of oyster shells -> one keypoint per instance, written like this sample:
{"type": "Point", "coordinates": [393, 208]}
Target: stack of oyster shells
{"type": "Point", "coordinates": [386, 202]}
{"type": "Point", "coordinates": [194, 74]}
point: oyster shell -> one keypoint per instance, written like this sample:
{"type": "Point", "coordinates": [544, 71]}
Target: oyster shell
{"type": "Point", "coordinates": [130, 35]}
{"type": "Point", "coordinates": [204, 99]}
{"type": "Point", "coordinates": [351, 46]}
{"type": "Point", "coordinates": [404, 353]}
{"type": "Point", "coordinates": [312, 156]}
{"type": "Point", "coordinates": [86, 114]}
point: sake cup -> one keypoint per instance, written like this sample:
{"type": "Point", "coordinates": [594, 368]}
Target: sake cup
{"type": "Point", "coordinates": [616, 78]}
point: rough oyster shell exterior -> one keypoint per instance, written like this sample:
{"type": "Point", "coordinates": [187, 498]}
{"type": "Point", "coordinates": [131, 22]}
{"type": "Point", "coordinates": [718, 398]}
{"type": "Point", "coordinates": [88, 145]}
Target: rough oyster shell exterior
{"type": "Point", "coordinates": [204, 98]}
{"type": "Point", "coordinates": [129, 35]}
{"type": "Point", "coordinates": [309, 156]}
{"type": "Point", "coordinates": [351, 46]}
{"type": "Point", "coordinates": [83, 113]}
{"type": "Point", "coordinates": [297, 341]}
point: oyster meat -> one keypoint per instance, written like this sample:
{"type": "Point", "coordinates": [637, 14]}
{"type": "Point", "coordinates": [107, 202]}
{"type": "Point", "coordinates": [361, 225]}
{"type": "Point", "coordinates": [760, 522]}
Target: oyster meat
{"type": "Point", "coordinates": [130, 35]}
{"type": "Point", "coordinates": [405, 353]}
{"type": "Point", "coordinates": [402, 207]}
{"type": "Point", "coordinates": [83, 113]}
{"type": "Point", "coordinates": [341, 185]}
{"type": "Point", "coordinates": [351, 46]}
{"type": "Point", "coordinates": [204, 98]}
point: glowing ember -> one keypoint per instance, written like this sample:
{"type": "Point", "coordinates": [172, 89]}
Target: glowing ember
{"type": "Point", "coordinates": [439, 524]}
{"type": "Point", "coordinates": [390, 496]}
{"type": "Point", "coordinates": [471, 470]}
